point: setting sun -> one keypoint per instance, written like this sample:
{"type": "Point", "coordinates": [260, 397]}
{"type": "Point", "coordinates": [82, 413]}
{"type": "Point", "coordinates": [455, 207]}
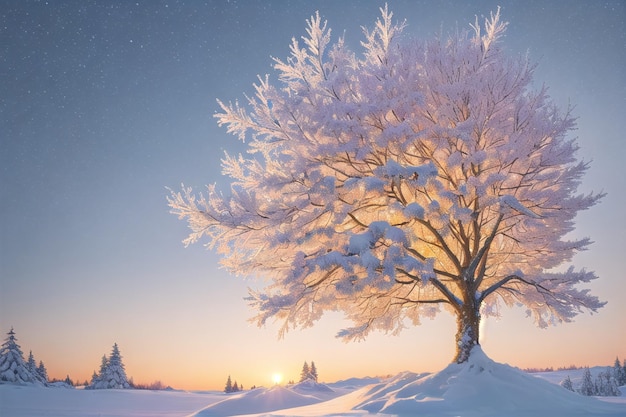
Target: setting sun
{"type": "Point", "coordinates": [277, 378]}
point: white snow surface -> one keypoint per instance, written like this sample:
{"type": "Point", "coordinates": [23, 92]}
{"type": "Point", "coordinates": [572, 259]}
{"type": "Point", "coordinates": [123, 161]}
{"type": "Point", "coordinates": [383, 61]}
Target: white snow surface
{"type": "Point", "coordinates": [480, 387]}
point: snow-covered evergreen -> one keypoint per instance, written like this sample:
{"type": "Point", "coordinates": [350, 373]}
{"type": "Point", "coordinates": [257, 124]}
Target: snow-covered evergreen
{"type": "Point", "coordinates": [305, 373]}
{"type": "Point", "coordinates": [587, 386]}
{"type": "Point", "coordinates": [606, 385]}
{"type": "Point", "coordinates": [619, 372]}
{"type": "Point", "coordinates": [31, 365]}
{"type": "Point", "coordinates": [42, 371]}
{"type": "Point", "coordinates": [12, 366]}
{"type": "Point", "coordinates": [112, 373]}
{"type": "Point", "coordinates": [313, 371]}
{"type": "Point", "coordinates": [567, 384]}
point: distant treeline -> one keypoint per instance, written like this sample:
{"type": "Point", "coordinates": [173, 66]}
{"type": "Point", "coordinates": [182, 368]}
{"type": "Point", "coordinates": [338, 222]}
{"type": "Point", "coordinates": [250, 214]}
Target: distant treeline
{"type": "Point", "coordinates": [551, 369]}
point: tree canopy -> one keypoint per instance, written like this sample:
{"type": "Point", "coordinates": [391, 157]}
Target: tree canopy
{"type": "Point", "coordinates": [387, 185]}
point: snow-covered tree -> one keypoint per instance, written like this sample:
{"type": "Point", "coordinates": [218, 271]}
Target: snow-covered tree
{"type": "Point", "coordinates": [42, 371]}
{"type": "Point", "coordinates": [112, 374]}
{"type": "Point", "coordinates": [96, 378]}
{"type": "Point", "coordinates": [12, 365]}
{"type": "Point", "coordinates": [115, 374]}
{"type": "Point", "coordinates": [388, 185]}
{"type": "Point", "coordinates": [313, 372]}
{"type": "Point", "coordinates": [93, 382]}
{"type": "Point", "coordinates": [587, 387]}
{"type": "Point", "coordinates": [567, 384]}
{"type": "Point", "coordinates": [31, 365]}
{"type": "Point", "coordinates": [104, 363]}
{"type": "Point", "coordinates": [619, 372]}
{"type": "Point", "coordinates": [305, 373]}
{"type": "Point", "coordinates": [606, 385]}
{"type": "Point", "coordinates": [229, 385]}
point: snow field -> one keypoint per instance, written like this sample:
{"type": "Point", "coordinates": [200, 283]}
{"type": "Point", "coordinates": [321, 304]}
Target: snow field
{"type": "Point", "coordinates": [478, 388]}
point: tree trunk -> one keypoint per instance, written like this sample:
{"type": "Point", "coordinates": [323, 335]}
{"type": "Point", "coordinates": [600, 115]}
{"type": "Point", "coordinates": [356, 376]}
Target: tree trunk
{"type": "Point", "coordinates": [468, 322]}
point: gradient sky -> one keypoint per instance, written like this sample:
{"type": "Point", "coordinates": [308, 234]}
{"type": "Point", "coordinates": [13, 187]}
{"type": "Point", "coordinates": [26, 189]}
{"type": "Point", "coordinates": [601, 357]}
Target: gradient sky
{"type": "Point", "coordinates": [105, 104]}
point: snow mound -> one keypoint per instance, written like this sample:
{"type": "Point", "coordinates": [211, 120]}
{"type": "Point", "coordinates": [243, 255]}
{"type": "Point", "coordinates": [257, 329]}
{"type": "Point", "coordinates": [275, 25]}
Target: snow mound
{"type": "Point", "coordinates": [480, 387]}
{"type": "Point", "coordinates": [353, 383]}
{"type": "Point", "coordinates": [311, 387]}
{"type": "Point", "coordinates": [259, 400]}
{"type": "Point", "coordinates": [477, 388]}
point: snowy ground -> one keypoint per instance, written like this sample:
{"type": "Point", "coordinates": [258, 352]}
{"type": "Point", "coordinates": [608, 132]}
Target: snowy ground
{"type": "Point", "coordinates": [480, 388]}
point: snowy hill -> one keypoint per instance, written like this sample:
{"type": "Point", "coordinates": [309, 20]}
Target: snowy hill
{"type": "Point", "coordinates": [353, 383]}
{"type": "Point", "coordinates": [576, 375]}
{"type": "Point", "coordinates": [263, 400]}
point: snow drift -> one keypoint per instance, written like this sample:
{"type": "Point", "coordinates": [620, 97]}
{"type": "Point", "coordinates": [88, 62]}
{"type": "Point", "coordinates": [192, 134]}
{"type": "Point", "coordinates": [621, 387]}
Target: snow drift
{"type": "Point", "coordinates": [263, 400]}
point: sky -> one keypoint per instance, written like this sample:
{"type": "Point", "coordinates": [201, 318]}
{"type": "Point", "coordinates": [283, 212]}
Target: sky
{"type": "Point", "coordinates": [105, 104]}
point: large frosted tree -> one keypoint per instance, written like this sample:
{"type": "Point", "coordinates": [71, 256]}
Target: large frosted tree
{"type": "Point", "coordinates": [389, 185]}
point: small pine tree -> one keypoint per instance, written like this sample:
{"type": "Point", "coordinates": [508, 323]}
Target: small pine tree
{"type": "Point", "coordinates": [229, 385]}
{"type": "Point", "coordinates": [68, 381]}
{"type": "Point", "coordinates": [94, 381]}
{"type": "Point", "coordinates": [12, 366]}
{"type": "Point", "coordinates": [104, 363]}
{"type": "Point", "coordinates": [43, 373]}
{"type": "Point", "coordinates": [619, 373]}
{"type": "Point", "coordinates": [235, 387]}
{"type": "Point", "coordinates": [567, 384]}
{"type": "Point", "coordinates": [305, 373]}
{"type": "Point", "coordinates": [313, 372]}
{"type": "Point", "coordinates": [587, 387]}
{"type": "Point", "coordinates": [31, 365]}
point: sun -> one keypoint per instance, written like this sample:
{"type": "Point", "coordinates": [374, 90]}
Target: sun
{"type": "Point", "coordinates": [277, 378]}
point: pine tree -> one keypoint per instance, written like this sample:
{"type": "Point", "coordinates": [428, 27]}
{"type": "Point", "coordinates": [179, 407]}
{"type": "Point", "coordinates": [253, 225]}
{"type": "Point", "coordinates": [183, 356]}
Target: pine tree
{"type": "Point", "coordinates": [12, 365]}
{"type": "Point", "coordinates": [115, 375]}
{"type": "Point", "coordinates": [112, 374]}
{"type": "Point", "coordinates": [619, 373]}
{"type": "Point", "coordinates": [31, 365]}
{"type": "Point", "coordinates": [235, 387]}
{"type": "Point", "coordinates": [43, 373]}
{"type": "Point", "coordinates": [96, 378]}
{"type": "Point", "coordinates": [606, 385]}
{"type": "Point", "coordinates": [313, 372]}
{"type": "Point", "coordinates": [94, 381]}
{"type": "Point", "coordinates": [229, 385]}
{"type": "Point", "coordinates": [567, 384]}
{"type": "Point", "coordinates": [587, 387]}
{"type": "Point", "coordinates": [305, 373]}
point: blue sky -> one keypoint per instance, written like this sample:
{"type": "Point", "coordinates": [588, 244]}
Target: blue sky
{"type": "Point", "coordinates": [105, 104]}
